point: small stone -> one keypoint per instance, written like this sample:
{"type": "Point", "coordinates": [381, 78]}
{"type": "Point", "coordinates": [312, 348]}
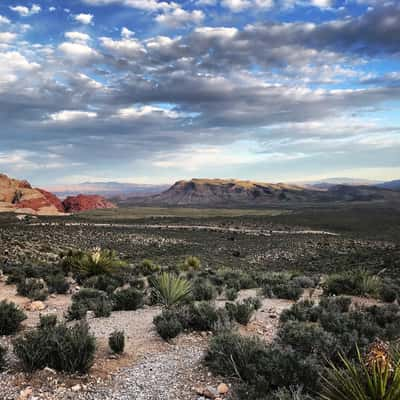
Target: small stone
{"type": "Point", "coordinates": [25, 393]}
{"type": "Point", "coordinates": [210, 393]}
{"type": "Point", "coordinates": [223, 388]}
{"type": "Point", "coordinates": [199, 390]}
{"type": "Point", "coordinates": [76, 388]}
{"type": "Point", "coordinates": [35, 306]}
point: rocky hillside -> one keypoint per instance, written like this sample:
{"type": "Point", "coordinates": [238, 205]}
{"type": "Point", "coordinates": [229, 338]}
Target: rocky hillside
{"type": "Point", "coordinates": [19, 196]}
{"type": "Point", "coordinates": [230, 193]}
{"type": "Point", "coordinates": [86, 202]}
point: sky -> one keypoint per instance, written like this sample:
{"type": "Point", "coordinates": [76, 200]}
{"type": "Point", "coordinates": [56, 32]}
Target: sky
{"type": "Point", "coordinates": [152, 91]}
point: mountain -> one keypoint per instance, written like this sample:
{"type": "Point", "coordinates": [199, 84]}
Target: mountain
{"type": "Point", "coordinates": [392, 185]}
{"type": "Point", "coordinates": [19, 196]}
{"type": "Point", "coordinates": [238, 193]}
{"type": "Point", "coordinates": [330, 182]}
{"type": "Point", "coordinates": [107, 189]}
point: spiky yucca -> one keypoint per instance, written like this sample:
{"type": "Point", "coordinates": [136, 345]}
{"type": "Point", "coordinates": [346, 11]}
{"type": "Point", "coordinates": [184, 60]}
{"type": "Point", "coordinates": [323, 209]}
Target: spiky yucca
{"type": "Point", "coordinates": [374, 377]}
{"type": "Point", "coordinates": [170, 289]}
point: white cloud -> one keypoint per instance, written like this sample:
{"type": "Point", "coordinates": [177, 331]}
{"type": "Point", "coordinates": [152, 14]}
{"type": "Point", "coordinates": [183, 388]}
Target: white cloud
{"type": "Point", "coordinates": [123, 48]}
{"type": "Point", "coordinates": [52, 9]}
{"type": "Point", "coordinates": [126, 33]}
{"type": "Point", "coordinates": [77, 36]}
{"type": "Point", "coordinates": [140, 112]}
{"type": "Point", "coordinates": [24, 11]}
{"type": "Point", "coordinates": [7, 37]}
{"type": "Point", "coordinates": [4, 20]}
{"type": "Point", "coordinates": [85, 19]}
{"type": "Point", "coordinates": [322, 3]}
{"type": "Point", "coordinates": [206, 2]}
{"type": "Point", "coordinates": [78, 52]}
{"type": "Point", "coordinates": [179, 17]}
{"type": "Point", "coordinates": [148, 5]}
{"type": "Point", "coordinates": [72, 116]}
{"type": "Point", "coordinates": [241, 5]}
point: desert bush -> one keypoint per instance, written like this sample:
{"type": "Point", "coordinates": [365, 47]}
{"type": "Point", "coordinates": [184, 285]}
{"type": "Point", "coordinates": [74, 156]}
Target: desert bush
{"type": "Point", "coordinates": [3, 352]}
{"type": "Point", "coordinates": [373, 377]}
{"type": "Point", "coordinates": [169, 289]}
{"type": "Point", "coordinates": [388, 292]}
{"type": "Point", "coordinates": [89, 300]}
{"type": "Point", "coordinates": [262, 368]}
{"type": "Point", "coordinates": [57, 283]}
{"type": "Point", "coordinates": [116, 341]}
{"type": "Point", "coordinates": [359, 283]}
{"type": "Point", "coordinates": [281, 285]}
{"type": "Point", "coordinates": [293, 393]}
{"type": "Point", "coordinates": [231, 294]}
{"type": "Point", "coordinates": [168, 324]}
{"type": "Point", "coordinates": [241, 312]}
{"type": "Point", "coordinates": [47, 321]}
{"type": "Point", "coordinates": [33, 288]}
{"type": "Point", "coordinates": [10, 318]}
{"type": "Point", "coordinates": [202, 290]}
{"type": "Point", "coordinates": [191, 263]}
{"type": "Point", "coordinates": [68, 349]}
{"type": "Point", "coordinates": [127, 299]}
{"type": "Point", "coordinates": [200, 316]}
{"type": "Point", "coordinates": [148, 267]}
{"type": "Point", "coordinates": [103, 282]}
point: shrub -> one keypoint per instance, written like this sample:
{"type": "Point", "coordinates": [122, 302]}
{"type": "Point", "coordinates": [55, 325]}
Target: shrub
{"type": "Point", "coordinates": [33, 288]}
{"type": "Point", "coordinates": [148, 267]}
{"type": "Point", "coordinates": [47, 321]}
{"type": "Point", "coordinates": [170, 289]}
{"type": "Point", "coordinates": [89, 300]}
{"type": "Point", "coordinates": [168, 324]}
{"type": "Point", "coordinates": [116, 341]}
{"type": "Point", "coordinates": [376, 377]}
{"type": "Point", "coordinates": [293, 393]}
{"type": "Point", "coordinates": [57, 284]}
{"type": "Point", "coordinates": [198, 317]}
{"type": "Point", "coordinates": [10, 318]}
{"type": "Point", "coordinates": [103, 282]}
{"type": "Point", "coordinates": [241, 312]}
{"type": "Point", "coordinates": [68, 349]}
{"type": "Point", "coordinates": [389, 292]}
{"type": "Point", "coordinates": [281, 286]}
{"type": "Point", "coordinates": [202, 290]}
{"type": "Point", "coordinates": [127, 299]}
{"type": "Point", "coordinates": [231, 294]}
{"type": "Point", "coordinates": [264, 368]}
{"type": "Point", "coordinates": [3, 352]}
{"type": "Point", "coordinates": [191, 263]}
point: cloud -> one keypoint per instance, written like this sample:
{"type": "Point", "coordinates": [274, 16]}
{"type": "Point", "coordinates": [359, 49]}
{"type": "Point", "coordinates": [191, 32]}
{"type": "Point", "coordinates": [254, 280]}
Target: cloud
{"type": "Point", "coordinates": [4, 20]}
{"type": "Point", "coordinates": [77, 36]}
{"type": "Point", "coordinates": [6, 37]}
{"type": "Point", "coordinates": [72, 116]}
{"type": "Point", "coordinates": [241, 5]}
{"type": "Point", "coordinates": [148, 5]}
{"type": "Point", "coordinates": [26, 11]}
{"type": "Point", "coordinates": [78, 52]}
{"type": "Point", "coordinates": [85, 19]}
{"type": "Point", "coordinates": [179, 17]}
{"type": "Point", "coordinates": [126, 48]}
{"type": "Point", "coordinates": [126, 33]}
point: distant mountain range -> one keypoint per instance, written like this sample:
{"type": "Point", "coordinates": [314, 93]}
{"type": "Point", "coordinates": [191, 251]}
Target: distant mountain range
{"type": "Point", "coordinates": [107, 189]}
{"type": "Point", "coordinates": [392, 185]}
{"type": "Point", "coordinates": [239, 193]}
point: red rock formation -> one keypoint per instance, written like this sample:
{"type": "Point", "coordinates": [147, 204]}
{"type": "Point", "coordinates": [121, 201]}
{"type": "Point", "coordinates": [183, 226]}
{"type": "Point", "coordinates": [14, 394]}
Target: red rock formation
{"type": "Point", "coordinates": [53, 199]}
{"type": "Point", "coordinates": [86, 202]}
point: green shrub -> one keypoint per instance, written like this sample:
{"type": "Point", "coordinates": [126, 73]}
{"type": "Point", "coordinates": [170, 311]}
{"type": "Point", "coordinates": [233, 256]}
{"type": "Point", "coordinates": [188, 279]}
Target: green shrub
{"type": "Point", "coordinates": [241, 312]}
{"type": "Point", "coordinates": [200, 316]}
{"type": "Point", "coordinates": [10, 318]}
{"type": "Point", "coordinates": [202, 290]}
{"type": "Point", "coordinates": [89, 300]}
{"type": "Point", "coordinates": [170, 289]}
{"type": "Point", "coordinates": [293, 393]}
{"type": "Point", "coordinates": [3, 352]}
{"type": "Point", "coordinates": [33, 288]}
{"type": "Point", "coordinates": [68, 349]}
{"type": "Point", "coordinates": [148, 267]}
{"type": "Point", "coordinates": [116, 341]}
{"type": "Point", "coordinates": [57, 284]}
{"type": "Point", "coordinates": [168, 324]}
{"type": "Point", "coordinates": [103, 282]}
{"type": "Point", "coordinates": [47, 321]}
{"type": "Point", "coordinates": [191, 263]}
{"type": "Point", "coordinates": [127, 299]}
{"type": "Point", "coordinates": [261, 367]}
{"type": "Point", "coordinates": [388, 292]}
{"type": "Point", "coordinates": [231, 294]}
{"type": "Point", "coordinates": [281, 285]}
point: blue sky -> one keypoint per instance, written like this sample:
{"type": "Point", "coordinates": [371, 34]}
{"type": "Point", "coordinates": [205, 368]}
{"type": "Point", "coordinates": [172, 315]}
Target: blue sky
{"type": "Point", "coordinates": [152, 91]}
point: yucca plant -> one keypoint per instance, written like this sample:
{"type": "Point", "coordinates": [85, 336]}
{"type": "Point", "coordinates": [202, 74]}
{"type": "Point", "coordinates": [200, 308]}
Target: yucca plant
{"type": "Point", "coordinates": [170, 289]}
{"type": "Point", "coordinates": [374, 377]}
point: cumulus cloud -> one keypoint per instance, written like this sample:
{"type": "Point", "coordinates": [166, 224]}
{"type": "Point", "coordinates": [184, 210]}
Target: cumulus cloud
{"type": "Point", "coordinates": [24, 11]}
{"type": "Point", "coordinates": [85, 19]}
{"type": "Point", "coordinates": [72, 116]}
{"type": "Point", "coordinates": [126, 48]}
{"type": "Point", "coordinates": [77, 36]}
{"type": "Point", "coordinates": [78, 52]}
{"type": "Point", "coordinates": [179, 17]}
{"type": "Point", "coordinates": [4, 20]}
{"type": "Point", "coordinates": [149, 5]}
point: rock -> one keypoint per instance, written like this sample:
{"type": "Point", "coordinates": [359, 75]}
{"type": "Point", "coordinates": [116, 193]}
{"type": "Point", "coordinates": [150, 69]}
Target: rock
{"type": "Point", "coordinates": [76, 388]}
{"type": "Point", "coordinates": [223, 388]}
{"type": "Point", "coordinates": [25, 393]}
{"type": "Point", "coordinates": [210, 393]}
{"type": "Point", "coordinates": [35, 306]}
{"type": "Point", "coordinates": [199, 390]}
{"type": "Point", "coordinates": [86, 202]}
